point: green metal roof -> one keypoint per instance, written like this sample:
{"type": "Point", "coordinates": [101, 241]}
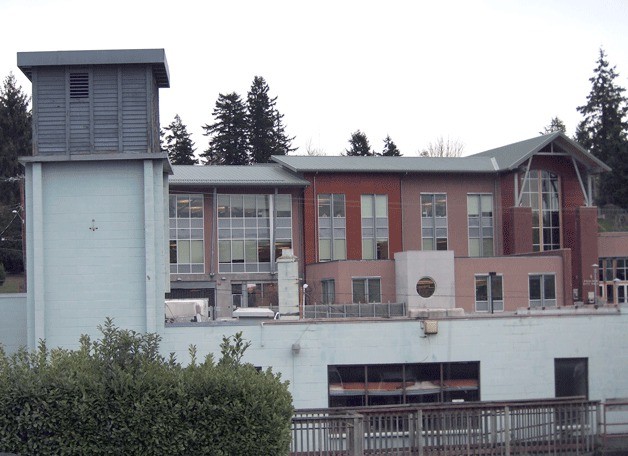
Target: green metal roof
{"type": "Point", "coordinates": [270, 175]}
{"type": "Point", "coordinates": [338, 164]}
{"type": "Point", "coordinates": [505, 158]}
{"type": "Point", "coordinates": [513, 155]}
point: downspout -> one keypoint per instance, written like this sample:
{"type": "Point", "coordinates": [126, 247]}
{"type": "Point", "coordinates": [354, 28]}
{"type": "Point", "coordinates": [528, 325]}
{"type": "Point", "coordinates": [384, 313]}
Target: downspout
{"type": "Point", "coordinates": [273, 227]}
{"type": "Point", "coordinates": [212, 254]}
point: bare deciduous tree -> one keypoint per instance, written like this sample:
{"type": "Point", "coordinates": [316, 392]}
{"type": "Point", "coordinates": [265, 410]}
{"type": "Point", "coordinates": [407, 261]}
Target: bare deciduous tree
{"type": "Point", "coordinates": [443, 147]}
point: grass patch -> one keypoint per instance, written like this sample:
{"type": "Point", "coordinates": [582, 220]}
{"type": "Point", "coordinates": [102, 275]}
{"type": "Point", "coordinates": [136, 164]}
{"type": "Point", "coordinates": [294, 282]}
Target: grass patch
{"type": "Point", "coordinates": [14, 283]}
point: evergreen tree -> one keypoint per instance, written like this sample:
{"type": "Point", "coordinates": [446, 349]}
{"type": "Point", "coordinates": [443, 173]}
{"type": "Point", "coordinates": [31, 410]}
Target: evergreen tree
{"type": "Point", "coordinates": [390, 148]}
{"type": "Point", "coordinates": [15, 138]}
{"type": "Point", "coordinates": [228, 135]}
{"type": "Point", "coordinates": [358, 145]}
{"type": "Point", "coordinates": [178, 144]}
{"type": "Point", "coordinates": [266, 133]}
{"type": "Point", "coordinates": [15, 141]}
{"type": "Point", "coordinates": [556, 124]}
{"type": "Point", "coordinates": [603, 131]}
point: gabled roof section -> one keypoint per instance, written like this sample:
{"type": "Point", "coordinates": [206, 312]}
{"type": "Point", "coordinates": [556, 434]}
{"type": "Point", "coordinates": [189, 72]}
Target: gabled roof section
{"type": "Point", "coordinates": [341, 164]}
{"type": "Point", "coordinates": [154, 57]}
{"type": "Point", "coordinates": [511, 156]}
{"type": "Point", "coordinates": [270, 175]}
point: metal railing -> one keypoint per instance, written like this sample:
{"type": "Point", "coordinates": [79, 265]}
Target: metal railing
{"type": "Point", "coordinates": [526, 428]}
{"type": "Point", "coordinates": [364, 310]}
{"type": "Point", "coordinates": [615, 424]}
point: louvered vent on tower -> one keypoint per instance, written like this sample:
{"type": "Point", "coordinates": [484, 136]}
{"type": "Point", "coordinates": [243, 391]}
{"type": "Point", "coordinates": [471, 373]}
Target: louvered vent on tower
{"type": "Point", "coordinates": [79, 85]}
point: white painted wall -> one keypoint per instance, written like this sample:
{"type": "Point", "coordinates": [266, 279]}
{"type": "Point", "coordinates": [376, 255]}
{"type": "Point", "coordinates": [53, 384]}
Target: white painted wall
{"type": "Point", "coordinates": [516, 354]}
{"type": "Point", "coordinates": [12, 321]}
{"type": "Point", "coordinates": [95, 247]}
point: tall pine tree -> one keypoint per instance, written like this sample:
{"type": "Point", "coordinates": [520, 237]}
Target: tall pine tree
{"type": "Point", "coordinates": [390, 148]}
{"type": "Point", "coordinates": [15, 141]}
{"type": "Point", "coordinates": [556, 124]}
{"type": "Point", "coordinates": [228, 134]}
{"type": "Point", "coordinates": [178, 143]}
{"type": "Point", "coordinates": [266, 132]}
{"type": "Point", "coordinates": [358, 145]}
{"type": "Point", "coordinates": [603, 132]}
{"type": "Point", "coordinates": [15, 137]}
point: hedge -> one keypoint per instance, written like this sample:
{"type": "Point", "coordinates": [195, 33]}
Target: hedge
{"type": "Point", "coordinates": [118, 395]}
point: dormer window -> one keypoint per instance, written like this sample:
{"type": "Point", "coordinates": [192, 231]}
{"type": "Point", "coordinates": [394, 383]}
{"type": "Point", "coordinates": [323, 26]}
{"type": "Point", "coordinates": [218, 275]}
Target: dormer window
{"type": "Point", "coordinates": [79, 84]}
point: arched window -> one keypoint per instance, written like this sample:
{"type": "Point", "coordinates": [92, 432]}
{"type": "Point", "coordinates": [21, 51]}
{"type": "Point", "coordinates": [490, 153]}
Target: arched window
{"type": "Point", "coordinates": [541, 192]}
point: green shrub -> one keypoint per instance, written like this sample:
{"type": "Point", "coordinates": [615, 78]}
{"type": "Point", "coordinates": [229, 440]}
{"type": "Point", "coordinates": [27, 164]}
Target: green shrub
{"type": "Point", "coordinates": [117, 395]}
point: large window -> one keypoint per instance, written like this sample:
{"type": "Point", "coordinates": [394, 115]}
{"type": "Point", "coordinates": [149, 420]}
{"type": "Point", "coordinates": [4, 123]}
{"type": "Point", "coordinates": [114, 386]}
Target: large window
{"type": "Point", "coordinates": [186, 234]}
{"type": "Point", "coordinates": [542, 289]}
{"type": "Point", "coordinates": [489, 294]}
{"type": "Point", "coordinates": [434, 221]}
{"type": "Point", "coordinates": [613, 279]}
{"type": "Point", "coordinates": [367, 289]}
{"type": "Point", "coordinates": [480, 213]}
{"type": "Point", "coordinates": [387, 384]}
{"type": "Point", "coordinates": [248, 225]}
{"type": "Point", "coordinates": [332, 238]}
{"type": "Point", "coordinates": [541, 192]}
{"type": "Point", "coordinates": [254, 294]}
{"type": "Point", "coordinates": [374, 227]}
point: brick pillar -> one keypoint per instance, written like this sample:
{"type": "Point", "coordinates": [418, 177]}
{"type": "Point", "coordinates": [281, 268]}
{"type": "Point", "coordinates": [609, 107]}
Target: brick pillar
{"type": "Point", "coordinates": [585, 252]}
{"type": "Point", "coordinates": [517, 230]}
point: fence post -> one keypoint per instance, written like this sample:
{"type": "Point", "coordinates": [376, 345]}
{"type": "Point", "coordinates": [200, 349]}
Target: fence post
{"type": "Point", "coordinates": [358, 436]}
{"type": "Point", "coordinates": [507, 429]}
{"type": "Point", "coordinates": [419, 430]}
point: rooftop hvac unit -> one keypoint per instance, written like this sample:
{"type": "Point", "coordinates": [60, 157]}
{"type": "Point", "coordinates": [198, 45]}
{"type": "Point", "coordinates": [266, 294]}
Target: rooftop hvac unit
{"type": "Point", "coordinates": [429, 327]}
{"type": "Point", "coordinates": [186, 310]}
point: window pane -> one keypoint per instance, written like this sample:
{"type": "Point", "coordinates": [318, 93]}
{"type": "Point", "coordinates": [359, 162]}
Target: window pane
{"type": "Point", "coordinates": [262, 206]}
{"type": "Point", "coordinates": [224, 251]}
{"type": "Point", "coordinates": [223, 206]}
{"type": "Point", "coordinates": [283, 203]}
{"type": "Point", "coordinates": [172, 206]}
{"type": "Point", "coordinates": [473, 205]}
{"type": "Point", "coordinates": [183, 207]}
{"type": "Point", "coordinates": [359, 290]}
{"type": "Point", "coordinates": [237, 206]}
{"type": "Point", "coordinates": [324, 249]}
{"type": "Point", "coordinates": [196, 206]}
{"type": "Point", "coordinates": [427, 205]}
{"type": "Point", "coordinates": [264, 250]}
{"type": "Point", "coordinates": [196, 251]}
{"type": "Point", "coordinates": [487, 246]}
{"type": "Point", "coordinates": [340, 250]}
{"type": "Point", "coordinates": [366, 204]}
{"type": "Point", "coordinates": [474, 247]}
{"type": "Point", "coordinates": [549, 288]}
{"type": "Point", "coordinates": [535, 287]}
{"type": "Point", "coordinates": [368, 249]}
{"type": "Point", "coordinates": [481, 288]}
{"type": "Point", "coordinates": [173, 251]}
{"type": "Point", "coordinates": [183, 251]}
{"type": "Point", "coordinates": [441, 244]}
{"type": "Point", "coordinates": [440, 205]}
{"type": "Point", "coordinates": [324, 205]}
{"type": "Point", "coordinates": [382, 249]}
{"type": "Point", "coordinates": [381, 206]}
{"type": "Point", "coordinates": [339, 205]}
{"type": "Point", "coordinates": [374, 290]}
{"type": "Point", "coordinates": [496, 289]}
{"type": "Point", "coordinates": [237, 251]}
{"type": "Point", "coordinates": [487, 205]}
{"type": "Point", "coordinates": [249, 206]}
{"type": "Point", "coordinates": [250, 249]}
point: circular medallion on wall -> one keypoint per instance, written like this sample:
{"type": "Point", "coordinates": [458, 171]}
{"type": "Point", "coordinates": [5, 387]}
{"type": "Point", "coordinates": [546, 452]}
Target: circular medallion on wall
{"type": "Point", "coordinates": [425, 287]}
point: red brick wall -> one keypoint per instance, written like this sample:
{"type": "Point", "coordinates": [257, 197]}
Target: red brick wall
{"type": "Point", "coordinates": [353, 186]}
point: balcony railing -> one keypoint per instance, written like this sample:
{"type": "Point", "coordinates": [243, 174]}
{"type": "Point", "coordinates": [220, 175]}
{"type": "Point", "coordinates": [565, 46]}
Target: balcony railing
{"type": "Point", "coordinates": [543, 427]}
{"type": "Point", "coordinates": [382, 310]}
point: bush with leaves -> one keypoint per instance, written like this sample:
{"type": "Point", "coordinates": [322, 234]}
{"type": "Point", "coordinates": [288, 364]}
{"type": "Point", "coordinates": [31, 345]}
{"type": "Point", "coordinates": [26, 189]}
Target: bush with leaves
{"type": "Point", "coordinates": [118, 395]}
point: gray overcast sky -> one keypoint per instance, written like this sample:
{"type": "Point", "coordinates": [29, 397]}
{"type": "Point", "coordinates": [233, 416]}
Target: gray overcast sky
{"type": "Point", "coordinates": [486, 73]}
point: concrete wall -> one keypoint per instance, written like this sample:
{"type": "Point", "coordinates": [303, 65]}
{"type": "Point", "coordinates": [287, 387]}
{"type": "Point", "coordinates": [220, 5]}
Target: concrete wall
{"type": "Point", "coordinates": [516, 353]}
{"type": "Point", "coordinates": [12, 321]}
{"type": "Point", "coordinates": [612, 244]}
{"type": "Point", "coordinates": [95, 247]}
{"type": "Point", "coordinates": [411, 266]}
